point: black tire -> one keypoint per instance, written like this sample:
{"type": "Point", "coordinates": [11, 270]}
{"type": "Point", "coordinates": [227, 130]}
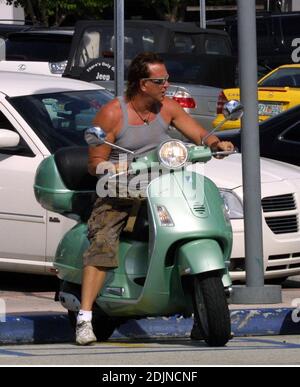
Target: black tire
{"type": "Point", "coordinates": [211, 309]}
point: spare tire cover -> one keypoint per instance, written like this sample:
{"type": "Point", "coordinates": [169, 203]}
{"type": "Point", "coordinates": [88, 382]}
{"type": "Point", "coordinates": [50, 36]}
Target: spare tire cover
{"type": "Point", "coordinates": [100, 69]}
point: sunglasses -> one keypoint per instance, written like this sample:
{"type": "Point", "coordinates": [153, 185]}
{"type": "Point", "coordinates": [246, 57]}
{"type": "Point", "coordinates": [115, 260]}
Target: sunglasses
{"type": "Point", "coordinates": [157, 81]}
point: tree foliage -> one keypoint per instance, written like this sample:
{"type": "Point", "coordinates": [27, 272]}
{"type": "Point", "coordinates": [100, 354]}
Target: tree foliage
{"type": "Point", "coordinates": [54, 12]}
{"type": "Point", "coordinates": [174, 10]}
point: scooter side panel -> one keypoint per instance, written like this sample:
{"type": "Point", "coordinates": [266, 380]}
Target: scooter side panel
{"type": "Point", "coordinates": [49, 188]}
{"type": "Point", "coordinates": [68, 259]}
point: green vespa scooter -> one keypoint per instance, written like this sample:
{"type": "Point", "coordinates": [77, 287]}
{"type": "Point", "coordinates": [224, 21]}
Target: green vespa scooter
{"type": "Point", "coordinates": [175, 258]}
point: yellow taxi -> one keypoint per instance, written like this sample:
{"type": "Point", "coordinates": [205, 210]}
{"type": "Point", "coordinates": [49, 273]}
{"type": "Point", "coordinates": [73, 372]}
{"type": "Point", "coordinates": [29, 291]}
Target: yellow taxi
{"type": "Point", "coordinates": [278, 91]}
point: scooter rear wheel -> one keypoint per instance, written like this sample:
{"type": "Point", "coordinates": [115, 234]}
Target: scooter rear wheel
{"type": "Point", "coordinates": [211, 309]}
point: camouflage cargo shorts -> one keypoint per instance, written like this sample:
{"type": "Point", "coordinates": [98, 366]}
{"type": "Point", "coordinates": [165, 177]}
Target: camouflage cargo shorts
{"type": "Point", "coordinates": [107, 220]}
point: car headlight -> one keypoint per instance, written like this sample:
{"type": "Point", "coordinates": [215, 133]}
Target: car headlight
{"type": "Point", "coordinates": [58, 67]}
{"type": "Point", "coordinates": [173, 154]}
{"type": "Point", "coordinates": [233, 204]}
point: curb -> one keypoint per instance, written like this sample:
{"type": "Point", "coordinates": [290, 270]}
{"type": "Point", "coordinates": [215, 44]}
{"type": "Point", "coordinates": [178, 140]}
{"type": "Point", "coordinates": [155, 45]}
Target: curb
{"type": "Point", "coordinates": [55, 328]}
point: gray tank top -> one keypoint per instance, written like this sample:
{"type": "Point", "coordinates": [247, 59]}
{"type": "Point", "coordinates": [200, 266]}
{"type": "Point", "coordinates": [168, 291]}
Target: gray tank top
{"type": "Point", "coordinates": [139, 138]}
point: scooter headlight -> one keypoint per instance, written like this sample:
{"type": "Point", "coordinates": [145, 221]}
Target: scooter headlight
{"type": "Point", "coordinates": [173, 154]}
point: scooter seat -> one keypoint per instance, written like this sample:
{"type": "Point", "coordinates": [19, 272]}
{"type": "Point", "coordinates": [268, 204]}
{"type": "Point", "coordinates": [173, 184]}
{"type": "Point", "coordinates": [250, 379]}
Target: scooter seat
{"type": "Point", "coordinates": [72, 165]}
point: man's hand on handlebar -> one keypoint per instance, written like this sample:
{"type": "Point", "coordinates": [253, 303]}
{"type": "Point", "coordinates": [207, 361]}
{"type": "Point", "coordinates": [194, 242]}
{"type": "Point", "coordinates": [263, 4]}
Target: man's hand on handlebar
{"type": "Point", "coordinates": [222, 149]}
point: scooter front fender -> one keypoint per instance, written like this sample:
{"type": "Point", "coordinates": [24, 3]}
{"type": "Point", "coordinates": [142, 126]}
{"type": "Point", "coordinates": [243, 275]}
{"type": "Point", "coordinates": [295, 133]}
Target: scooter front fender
{"type": "Point", "coordinates": [200, 256]}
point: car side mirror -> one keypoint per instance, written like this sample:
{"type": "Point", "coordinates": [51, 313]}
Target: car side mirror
{"type": "Point", "coordinates": [8, 138]}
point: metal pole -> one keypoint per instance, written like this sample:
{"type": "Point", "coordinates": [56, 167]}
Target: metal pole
{"type": "Point", "coordinates": [202, 14]}
{"type": "Point", "coordinates": [255, 291]}
{"type": "Point", "coordinates": [119, 46]}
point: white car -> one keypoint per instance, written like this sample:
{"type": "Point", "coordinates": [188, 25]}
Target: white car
{"type": "Point", "coordinates": [36, 51]}
{"type": "Point", "coordinates": [47, 113]}
{"type": "Point", "coordinates": [43, 111]}
{"type": "Point", "coordinates": [280, 192]}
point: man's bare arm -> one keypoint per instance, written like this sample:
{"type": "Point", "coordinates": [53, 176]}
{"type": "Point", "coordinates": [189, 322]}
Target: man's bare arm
{"type": "Point", "coordinates": [107, 119]}
{"type": "Point", "coordinates": [191, 129]}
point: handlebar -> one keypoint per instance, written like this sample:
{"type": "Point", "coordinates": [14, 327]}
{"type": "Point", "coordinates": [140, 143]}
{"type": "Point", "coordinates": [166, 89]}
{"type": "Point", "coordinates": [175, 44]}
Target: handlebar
{"type": "Point", "coordinates": [225, 153]}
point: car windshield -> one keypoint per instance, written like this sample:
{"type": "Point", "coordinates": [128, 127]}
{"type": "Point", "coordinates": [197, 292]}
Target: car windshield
{"type": "Point", "coordinates": [283, 77]}
{"type": "Point", "coordinates": [59, 119]}
{"type": "Point", "coordinates": [38, 48]}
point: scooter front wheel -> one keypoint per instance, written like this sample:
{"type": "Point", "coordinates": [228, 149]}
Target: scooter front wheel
{"type": "Point", "coordinates": [211, 309]}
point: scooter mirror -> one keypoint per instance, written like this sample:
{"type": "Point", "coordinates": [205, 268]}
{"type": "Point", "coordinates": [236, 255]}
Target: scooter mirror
{"type": "Point", "coordinates": [233, 110]}
{"type": "Point", "coordinates": [94, 136]}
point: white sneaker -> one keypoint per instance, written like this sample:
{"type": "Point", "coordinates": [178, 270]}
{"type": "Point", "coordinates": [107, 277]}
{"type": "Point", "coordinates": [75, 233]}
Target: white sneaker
{"type": "Point", "coordinates": [84, 333]}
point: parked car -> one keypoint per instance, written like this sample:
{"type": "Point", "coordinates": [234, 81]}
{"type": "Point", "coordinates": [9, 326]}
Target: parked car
{"type": "Point", "coordinates": [278, 91]}
{"type": "Point", "coordinates": [7, 28]}
{"type": "Point", "coordinates": [277, 36]}
{"type": "Point", "coordinates": [46, 51]}
{"type": "Point", "coordinates": [47, 113]}
{"type": "Point", "coordinates": [199, 61]}
{"type": "Point", "coordinates": [279, 137]}
{"type": "Point", "coordinates": [280, 188]}
{"type": "Point", "coordinates": [208, 52]}
{"type": "Point", "coordinates": [36, 50]}
{"type": "Point", "coordinates": [197, 100]}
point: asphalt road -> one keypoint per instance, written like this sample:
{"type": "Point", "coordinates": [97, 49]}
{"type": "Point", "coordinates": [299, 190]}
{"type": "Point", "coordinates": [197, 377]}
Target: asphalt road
{"type": "Point", "coordinates": [279, 350]}
{"type": "Point", "coordinates": [36, 293]}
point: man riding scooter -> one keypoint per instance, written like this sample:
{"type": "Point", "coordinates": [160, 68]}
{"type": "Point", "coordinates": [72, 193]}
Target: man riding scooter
{"type": "Point", "coordinates": [139, 121]}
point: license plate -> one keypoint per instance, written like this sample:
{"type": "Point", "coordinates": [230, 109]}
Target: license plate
{"type": "Point", "coordinates": [268, 109]}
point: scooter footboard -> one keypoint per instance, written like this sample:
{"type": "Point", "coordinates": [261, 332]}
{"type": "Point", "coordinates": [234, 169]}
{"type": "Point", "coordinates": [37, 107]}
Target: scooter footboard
{"type": "Point", "coordinates": [201, 256]}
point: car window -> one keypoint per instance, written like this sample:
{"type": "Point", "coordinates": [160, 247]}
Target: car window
{"type": "Point", "coordinates": [59, 119]}
{"type": "Point", "coordinates": [99, 42]}
{"type": "Point", "coordinates": [292, 134]}
{"type": "Point", "coordinates": [203, 69]}
{"type": "Point", "coordinates": [22, 149]}
{"type": "Point", "coordinates": [283, 77]}
{"type": "Point", "coordinates": [38, 48]}
{"type": "Point", "coordinates": [215, 45]}
{"type": "Point", "coordinates": [183, 43]}
{"type": "Point", "coordinates": [148, 40]}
